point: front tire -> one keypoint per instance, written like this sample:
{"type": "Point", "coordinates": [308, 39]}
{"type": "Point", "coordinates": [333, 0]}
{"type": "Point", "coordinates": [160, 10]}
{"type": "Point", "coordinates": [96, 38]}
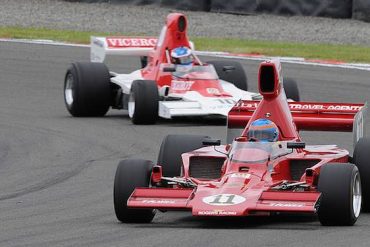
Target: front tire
{"type": "Point", "coordinates": [131, 174]}
{"type": "Point", "coordinates": [340, 186]}
{"type": "Point", "coordinates": [143, 102]}
{"type": "Point", "coordinates": [87, 91]}
{"type": "Point", "coordinates": [171, 149]}
{"type": "Point", "coordinates": [361, 158]}
{"type": "Point", "coordinates": [237, 76]}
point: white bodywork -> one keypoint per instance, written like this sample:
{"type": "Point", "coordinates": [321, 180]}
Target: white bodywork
{"type": "Point", "coordinates": [191, 103]}
{"type": "Point", "coordinates": [194, 104]}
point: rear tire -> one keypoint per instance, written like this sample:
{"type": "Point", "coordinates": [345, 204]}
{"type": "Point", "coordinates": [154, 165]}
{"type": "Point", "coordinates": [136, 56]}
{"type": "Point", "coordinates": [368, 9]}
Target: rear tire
{"type": "Point", "coordinates": [131, 174]}
{"type": "Point", "coordinates": [237, 77]}
{"type": "Point", "coordinates": [143, 102]}
{"type": "Point", "coordinates": [171, 149]}
{"type": "Point", "coordinates": [361, 158]}
{"type": "Point", "coordinates": [143, 61]}
{"type": "Point", "coordinates": [87, 91]}
{"type": "Point", "coordinates": [340, 186]}
{"type": "Point", "coordinates": [291, 89]}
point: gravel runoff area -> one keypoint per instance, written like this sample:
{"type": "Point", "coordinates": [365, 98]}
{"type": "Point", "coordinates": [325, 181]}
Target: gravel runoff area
{"type": "Point", "coordinates": [147, 20]}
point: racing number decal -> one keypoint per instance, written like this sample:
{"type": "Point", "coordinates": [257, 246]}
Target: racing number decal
{"type": "Point", "coordinates": [217, 199]}
{"type": "Point", "coordinates": [223, 200]}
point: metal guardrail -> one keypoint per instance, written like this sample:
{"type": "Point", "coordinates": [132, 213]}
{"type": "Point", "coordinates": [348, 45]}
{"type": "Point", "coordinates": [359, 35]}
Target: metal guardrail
{"type": "Point", "coordinates": [356, 9]}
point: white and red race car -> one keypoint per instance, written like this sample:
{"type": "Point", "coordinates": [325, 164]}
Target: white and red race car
{"type": "Point", "coordinates": [157, 89]}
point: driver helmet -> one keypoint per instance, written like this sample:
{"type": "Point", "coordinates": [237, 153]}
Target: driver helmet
{"type": "Point", "coordinates": [182, 57]}
{"type": "Point", "coordinates": [263, 130]}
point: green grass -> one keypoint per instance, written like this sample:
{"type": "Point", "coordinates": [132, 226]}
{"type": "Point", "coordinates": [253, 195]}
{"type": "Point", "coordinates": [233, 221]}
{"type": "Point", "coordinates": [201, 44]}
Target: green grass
{"type": "Point", "coordinates": [44, 33]}
{"type": "Point", "coordinates": [348, 53]}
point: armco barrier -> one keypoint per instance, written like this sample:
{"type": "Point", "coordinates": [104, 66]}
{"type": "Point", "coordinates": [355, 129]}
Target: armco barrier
{"type": "Point", "coordinates": [326, 8]}
{"type": "Point", "coordinates": [196, 5]}
{"type": "Point", "coordinates": [356, 9]}
{"type": "Point", "coordinates": [234, 6]}
{"type": "Point", "coordinates": [134, 2]}
{"type": "Point", "coordinates": [361, 10]}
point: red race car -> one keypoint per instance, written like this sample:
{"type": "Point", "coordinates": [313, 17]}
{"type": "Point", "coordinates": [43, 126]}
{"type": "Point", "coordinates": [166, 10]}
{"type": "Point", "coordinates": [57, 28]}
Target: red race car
{"type": "Point", "coordinates": [258, 173]}
{"type": "Point", "coordinates": [173, 82]}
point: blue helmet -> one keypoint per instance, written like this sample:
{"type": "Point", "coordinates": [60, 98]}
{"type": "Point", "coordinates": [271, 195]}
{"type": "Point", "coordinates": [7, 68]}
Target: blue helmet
{"type": "Point", "coordinates": [182, 56]}
{"type": "Point", "coordinates": [263, 130]}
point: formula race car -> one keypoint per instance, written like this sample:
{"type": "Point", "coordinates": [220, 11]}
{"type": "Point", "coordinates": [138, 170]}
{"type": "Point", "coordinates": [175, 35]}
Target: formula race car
{"type": "Point", "coordinates": [250, 177]}
{"type": "Point", "coordinates": [173, 81]}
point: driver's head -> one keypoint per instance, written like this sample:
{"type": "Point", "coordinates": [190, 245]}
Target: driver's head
{"type": "Point", "coordinates": [182, 57]}
{"type": "Point", "coordinates": [263, 130]}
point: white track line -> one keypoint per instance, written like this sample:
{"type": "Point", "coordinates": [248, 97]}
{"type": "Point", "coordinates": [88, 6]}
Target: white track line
{"type": "Point", "coordinates": [41, 42]}
{"type": "Point", "coordinates": [291, 60]}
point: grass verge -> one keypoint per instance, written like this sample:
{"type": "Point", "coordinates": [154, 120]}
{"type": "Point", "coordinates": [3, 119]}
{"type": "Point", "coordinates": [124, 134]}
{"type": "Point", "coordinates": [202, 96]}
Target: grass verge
{"type": "Point", "coordinates": [348, 53]}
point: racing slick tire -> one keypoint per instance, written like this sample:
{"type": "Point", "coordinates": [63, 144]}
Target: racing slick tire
{"type": "Point", "coordinates": [361, 158]}
{"type": "Point", "coordinates": [291, 89]}
{"type": "Point", "coordinates": [87, 91]}
{"type": "Point", "coordinates": [130, 174]}
{"type": "Point", "coordinates": [340, 202]}
{"type": "Point", "coordinates": [171, 149]}
{"type": "Point", "coordinates": [143, 102]}
{"type": "Point", "coordinates": [237, 76]}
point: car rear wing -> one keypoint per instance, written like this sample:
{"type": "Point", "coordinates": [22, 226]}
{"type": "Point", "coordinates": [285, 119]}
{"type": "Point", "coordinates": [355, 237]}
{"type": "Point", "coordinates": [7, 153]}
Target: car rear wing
{"type": "Point", "coordinates": [313, 116]}
{"type": "Point", "coordinates": [120, 45]}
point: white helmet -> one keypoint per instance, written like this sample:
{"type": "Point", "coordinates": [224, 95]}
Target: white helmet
{"type": "Point", "coordinates": [181, 55]}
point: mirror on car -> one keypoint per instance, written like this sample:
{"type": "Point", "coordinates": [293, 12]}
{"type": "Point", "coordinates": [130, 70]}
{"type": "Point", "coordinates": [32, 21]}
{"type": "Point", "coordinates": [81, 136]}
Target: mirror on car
{"type": "Point", "coordinates": [169, 69]}
{"type": "Point", "coordinates": [228, 68]}
{"type": "Point", "coordinates": [296, 145]}
{"type": "Point", "coordinates": [211, 142]}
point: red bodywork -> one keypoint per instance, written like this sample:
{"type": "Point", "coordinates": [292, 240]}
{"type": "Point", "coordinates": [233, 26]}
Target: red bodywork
{"type": "Point", "coordinates": [251, 181]}
{"type": "Point", "coordinates": [170, 38]}
{"type": "Point", "coordinates": [173, 35]}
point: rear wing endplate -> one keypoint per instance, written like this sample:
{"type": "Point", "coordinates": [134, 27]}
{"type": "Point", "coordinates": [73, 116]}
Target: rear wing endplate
{"type": "Point", "coordinates": [128, 46]}
{"type": "Point", "coordinates": [314, 116]}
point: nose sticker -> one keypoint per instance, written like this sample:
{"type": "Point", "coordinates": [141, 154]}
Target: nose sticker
{"type": "Point", "coordinates": [223, 200]}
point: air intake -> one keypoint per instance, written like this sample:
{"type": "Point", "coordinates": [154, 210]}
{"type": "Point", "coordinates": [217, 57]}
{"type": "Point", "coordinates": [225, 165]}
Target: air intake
{"type": "Point", "coordinates": [269, 76]}
{"type": "Point", "coordinates": [267, 79]}
{"type": "Point", "coordinates": [298, 167]}
{"type": "Point", "coordinates": [205, 167]}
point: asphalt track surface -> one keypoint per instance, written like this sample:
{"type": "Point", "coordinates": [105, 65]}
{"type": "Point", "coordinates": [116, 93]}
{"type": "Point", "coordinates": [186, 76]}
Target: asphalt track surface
{"type": "Point", "coordinates": [57, 172]}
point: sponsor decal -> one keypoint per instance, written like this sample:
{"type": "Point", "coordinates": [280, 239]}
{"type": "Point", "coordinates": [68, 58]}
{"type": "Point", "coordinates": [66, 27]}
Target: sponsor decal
{"type": "Point", "coordinates": [223, 200]}
{"type": "Point", "coordinates": [293, 106]}
{"type": "Point", "coordinates": [283, 204]}
{"type": "Point", "coordinates": [211, 90]}
{"type": "Point", "coordinates": [158, 201]}
{"type": "Point", "coordinates": [130, 42]}
{"type": "Point", "coordinates": [323, 107]}
{"type": "Point", "coordinates": [250, 105]}
{"type": "Point", "coordinates": [241, 175]}
{"type": "Point", "coordinates": [181, 85]}
{"type": "Point", "coordinates": [344, 107]}
{"type": "Point", "coordinates": [306, 107]}
{"type": "Point", "coordinates": [216, 212]}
